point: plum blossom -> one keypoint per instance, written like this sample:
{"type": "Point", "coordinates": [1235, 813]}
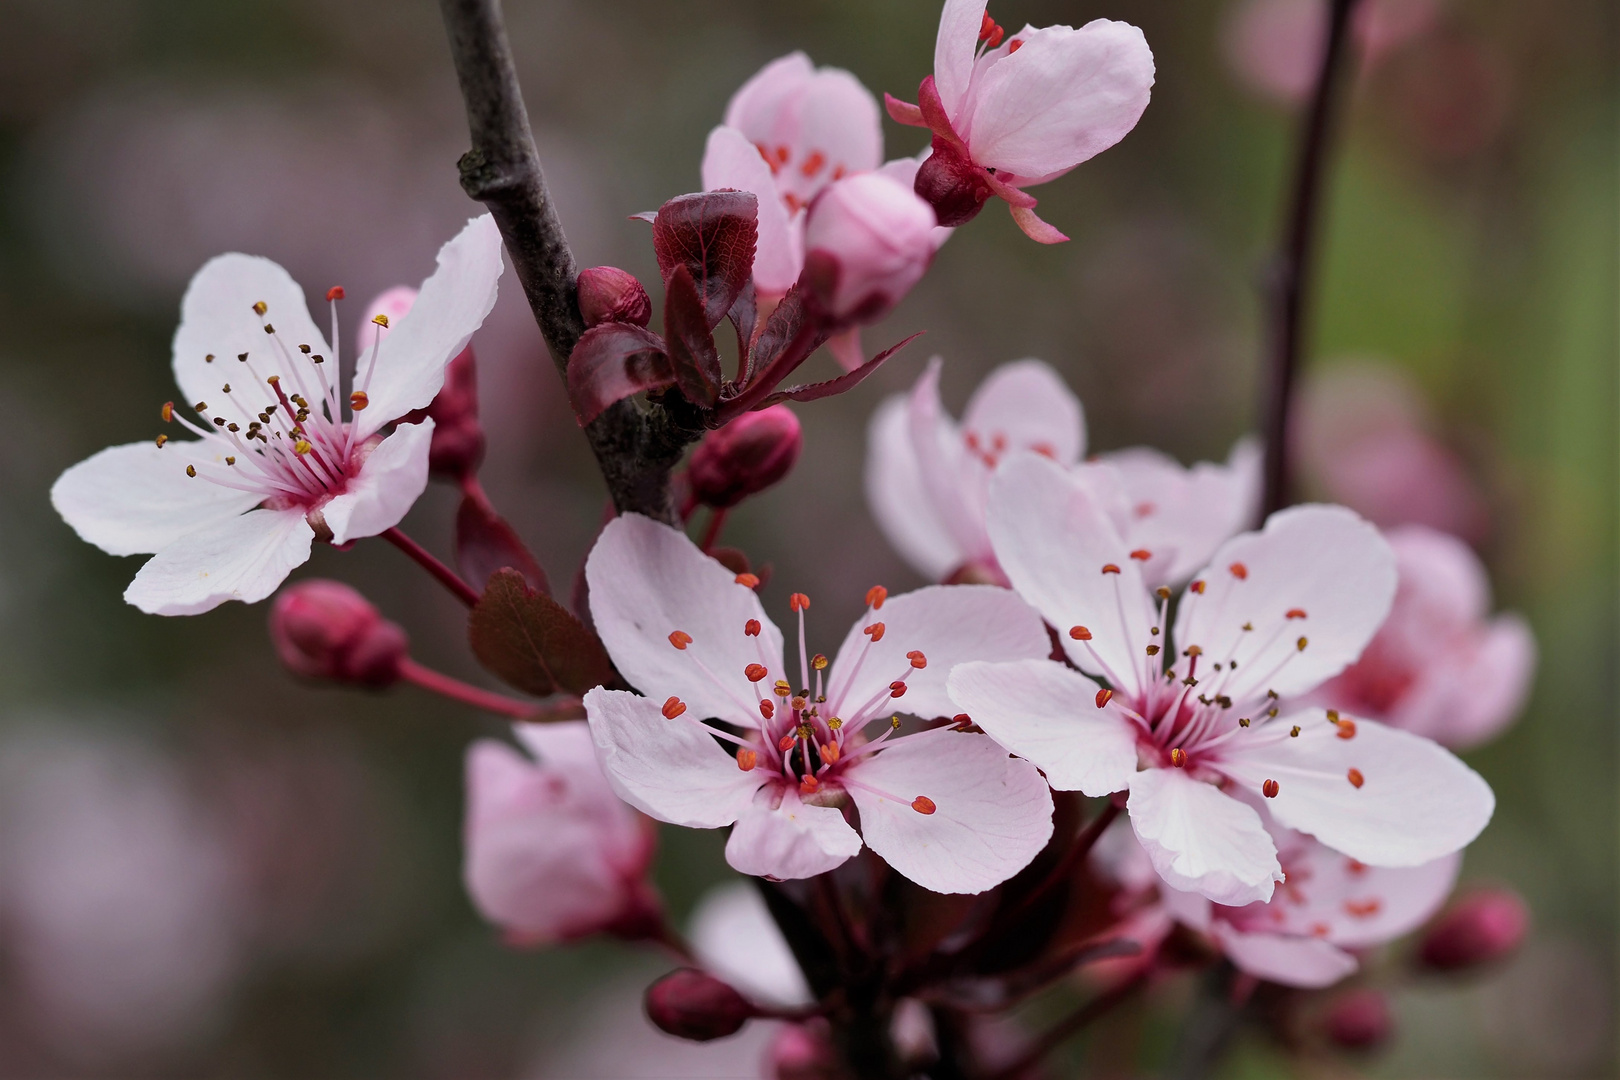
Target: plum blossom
{"type": "Point", "coordinates": [927, 477]}
{"type": "Point", "coordinates": [736, 939]}
{"type": "Point", "coordinates": [1203, 723]}
{"type": "Point", "coordinates": [1275, 46]}
{"type": "Point", "coordinates": [948, 809]}
{"type": "Point", "coordinates": [1441, 666]}
{"type": "Point", "coordinates": [276, 466]}
{"type": "Point", "coordinates": [868, 240]}
{"type": "Point", "coordinates": [1023, 110]}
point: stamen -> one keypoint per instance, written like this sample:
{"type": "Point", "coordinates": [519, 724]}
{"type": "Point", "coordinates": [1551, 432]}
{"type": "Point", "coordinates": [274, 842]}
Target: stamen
{"type": "Point", "coordinates": [747, 759]}
{"type": "Point", "coordinates": [1080, 633]}
{"type": "Point", "coordinates": [334, 293]}
{"type": "Point", "coordinates": [1141, 554]}
{"type": "Point", "coordinates": [875, 597]}
{"type": "Point", "coordinates": [1301, 643]}
{"type": "Point", "coordinates": [680, 639]}
{"type": "Point", "coordinates": [673, 707]}
{"type": "Point", "coordinates": [1110, 568]}
{"type": "Point", "coordinates": [755, 672]}
{"type": "Point", "coordinates": [167, 412]}
{"type": "Point", "coordinates": [161, 439]}
{"type": "Point", "coordinates": [1347, 728]}
{"type": "Point", "coordinates": [923, 805]}
{"type": "Point", "coordinates": [829, 752]}
{"type": "Point", "coordinates": [767, 708]}
{"type": "Point", "coordinates": [808, 784]}
{"type": "Point", "coordinates": [191, 470]}
{"type": "Point", "coordinates": [875, 632]}
{"type": "Point", "coordinates": [785, 743]}
{"type": "Point", "coordinates": [1296, 613]}
{"type": "Point", "coordinates": [798, 602]}
{"type": "Point", "coordinates": [1239, 571]}
{"type": "Point", "coordinates": [1014, 46]}
{"type": "Point", "coordinates": [1153, 650]}
{"type": "Point", "coordinates": [918, 660]}
{"type": "Point", "coordinates": [1178, 758]}
{"type": "Point", "coordinates": [1293, 732]}
{"type": "Point", "coordinates": [1270, 788]}
{"type": "Point", "coordinates": [1196, 587]}
{"type": "Point", "coordinates": [359, 400]}
{"type": "Point", "coordinates": [819, 662]}
{"type": "Point", "coordinates": [751, 628]}
{"type": "Point", "coordinates": [748, 580]}
{"type": "Point", "coordinates": [897, 689]}
{"type": "Point", "coordinates": [1355, 778]}
{"type": "Point", "coordinates": [1102, 697]}
{"type": "Point", "coordinates": [259, 308]}
{"type": "Point", "coordinates": [782, 689]}
{"type": "Point", "coordinates": [1162, 592]}
{"type": "Point", "coordinates": [381, 320]}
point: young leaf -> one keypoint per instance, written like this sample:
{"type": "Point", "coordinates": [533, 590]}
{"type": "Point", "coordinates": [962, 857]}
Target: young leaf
{"type": "Point", "coordinates": [847, 381]}
{"type": "Point", "coordinates": [485, 543]}
{"type": "Point", "coordinates": [744, 316]}
{"type": "Point", "coordinates": [531, 642]}
{"type": "Point", "coordinates": [712, 234]}
{"type": "Point", "coordinates": [611, 362]}
{"type": "Point", "coordinates": [692, 354]}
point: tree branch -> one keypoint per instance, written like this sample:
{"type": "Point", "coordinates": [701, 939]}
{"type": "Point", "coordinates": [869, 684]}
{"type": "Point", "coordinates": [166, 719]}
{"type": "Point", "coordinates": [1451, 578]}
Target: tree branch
{"type": "Point", "coordinates": [635, 446]}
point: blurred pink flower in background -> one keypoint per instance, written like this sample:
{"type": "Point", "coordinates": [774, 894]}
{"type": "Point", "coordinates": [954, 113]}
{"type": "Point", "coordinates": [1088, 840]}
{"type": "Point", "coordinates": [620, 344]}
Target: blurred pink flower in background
{"type": "Point", "coordinates": [1275, 46]}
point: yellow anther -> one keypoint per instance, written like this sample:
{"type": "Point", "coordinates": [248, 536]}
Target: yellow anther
{"type": "Point", "coordinates": [191, 470]}
{"type": "Point", "coordinates": [259, 308]}
{"type": "Point", "coordinates": [381, 320]}
{"type": "Point", "coordinates": [302, 446]}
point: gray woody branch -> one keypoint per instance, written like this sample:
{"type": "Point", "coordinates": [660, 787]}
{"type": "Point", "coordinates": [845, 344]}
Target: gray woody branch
{"type": "Point", "coordinates": [636, 446]}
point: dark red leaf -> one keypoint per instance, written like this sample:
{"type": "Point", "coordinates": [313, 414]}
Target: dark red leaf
{"type": "Point", "coordinates": [744, 316]}
{"type": "Point", "coordinates": [531, 642]}
{"type": "Point", "coordinates": [613, 361]}
{"type": "Point", "coordinates": [485, 543]}
{"type": "Point", "coordinates": [692, 355]}
{"type": "Point", "coordinates": [712, 234]}
{"type": "Point", "coordinates": [847, 381]}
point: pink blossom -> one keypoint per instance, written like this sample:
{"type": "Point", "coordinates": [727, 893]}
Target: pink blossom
{"type": "Point", "coordinates": [1275, 46]}
{"type": "Point", "coordinates": [275, 465]}
{"type": "Point", "coordinates": [947, 809]}
{"type": "Point", "coordinates": [1198, 740]}
{"type": "Point", "coordinates": [736, 939]}
{"type": "Point", "coordinates": [552, 855]}
{"type": "Point", "coordinates": [1440, 666]}
{"type": "Point", "coordinates": [1021, 111]}
{"type": "Point", "coordinates": [868, 240]}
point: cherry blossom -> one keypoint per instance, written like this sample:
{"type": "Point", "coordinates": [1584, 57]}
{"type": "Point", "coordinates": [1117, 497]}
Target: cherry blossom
{"type": "Point", "coordinates": [1441, 666]}
{"type": "Point", "coordinates": [1201, 723]}
{"type": "Point", "coordinates": [1023, 110]}
{"type": "Point", "coordinates": [868, 240]}
{"type": "Point", "coordinates": [275, 465]}
{"type": "Point", "coordinates": [723, 738]}
{"type": "Point", "coordinates": [735, 938]}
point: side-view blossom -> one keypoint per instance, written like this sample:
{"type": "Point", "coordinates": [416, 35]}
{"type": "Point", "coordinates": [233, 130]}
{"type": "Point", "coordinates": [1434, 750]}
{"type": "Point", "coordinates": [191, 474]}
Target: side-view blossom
{"type": "Point", "coordinates": [868, 240]}
{"type": "Point", "coordinates": [723, 738]}
{"type": "Point", "coordinates": [552, 854]}
{"type": "Point", "coordinates": [277, 463]}
{"type": "Point", "coordinates": [1441, 666]}
{"type": "Point", "coordinates": [1022, 110]}
{"type": "Point", "coordinates": [1199, 721]}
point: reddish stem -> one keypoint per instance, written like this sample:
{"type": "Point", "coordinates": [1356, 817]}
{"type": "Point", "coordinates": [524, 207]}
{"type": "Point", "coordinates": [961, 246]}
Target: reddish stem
{"type": "Point", "coordinates": [456, 690]}
{"type": "Point", "coordinates": [446, 576]}
{"type": "Point", "coordinates": [711, 534]}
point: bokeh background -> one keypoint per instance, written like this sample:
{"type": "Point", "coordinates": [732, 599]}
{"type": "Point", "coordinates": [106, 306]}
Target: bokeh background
{"type": "Point", "coordinates": [208, 869]}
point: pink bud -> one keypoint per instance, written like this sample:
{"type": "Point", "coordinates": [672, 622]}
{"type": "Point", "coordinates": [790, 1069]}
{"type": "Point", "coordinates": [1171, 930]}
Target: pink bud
{"type": "Point", "coordinates": [950, 183]}
{"type": "Point", "coordinates": [1481, 928]}
{"type": "Point", "coordinates": [804, 1052]}
{"type": "Point", "coordinates": [608, 294]}
{"type": "Point", "coordinates": [868, 239]}
{"type": "Point", "coordinates": [745, 457]}
{"type": "Point", "coordinates": [1359, 1020]}
{"type": "Point", "coordinates": [326, 630]}
{"type": "Point", "coordinates": [694, 1005]}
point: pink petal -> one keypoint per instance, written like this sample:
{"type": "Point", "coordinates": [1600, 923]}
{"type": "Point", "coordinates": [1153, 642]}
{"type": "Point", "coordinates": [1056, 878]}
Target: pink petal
{"type": "Point", "coordinates": [954, 49]}
{"type": "Point", "coordinates": [992, 813]}
{"type": "Point", "coordinates": [1028, 405]}
{"type": "Point", "coordinates": [1353, 905]}
{"type": "Point", "coordinates": [735, 938]}
{"type": "Point", "coordinates": [243, 558]}
{"type": "Point", "coordinates": [903, 112]}
{"type": "Point", "coordinates": [846, 348]}
{"type": "Point", "coordinates": [779, 836]}
{"type": "Point", "coordinates": [898, 499]}
{"type": "Point", "coordinates": [1185, 512]}
{"type": "Point", "coordinates": [762, 104]}
{"type": "Point", "coordinates": [1201, 840]}
{"type": "Point", "coordinates": [390, 481]}
{"type": "Point", "coordinates": [954, 479]}
{"type": "Point", "coordinates": [1033, 227]}
{"type": "Point", "coordinates": [1440, 576]}
{"type": "Point", "coordinates": [1466, 695]}
{"type": "Point", "coordinates": [1291, 961]}
{"type": "Point", "coordinates": [731, 161]}
{"type": "Point", "coordinates": [839, 119]}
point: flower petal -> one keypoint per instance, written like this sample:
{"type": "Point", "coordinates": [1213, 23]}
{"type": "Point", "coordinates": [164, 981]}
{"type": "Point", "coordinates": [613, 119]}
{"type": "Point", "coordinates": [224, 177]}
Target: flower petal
{"type": "Point", "coordinates": [244, 558]}
{"type": "Point", "coordinates": [647, 581]}
{"type": "Point", "coordinates": [1292, 961]}
{"type": "Point", "coordinates": [839, 119]}
{"type": "Point", "coordinates": [1025, 405]}
{"type": "Point", "coordinates": [390, 481]}
{"type": "Point", "coordinates": [735, 937]}
{"type": "Point", "coordinates": [731, 161]}
{"type": "Point", "coordinates": [1347, 902]}
{"type": "Point", "coordinates": [948, 625]}
{"type": "Point", "coordinates": [954, 47]}
{"type": "Point", "coordinates": [898, 499]}
{"type": "Point", "coordinates": [954, 479]}
{"type": "Point", "coordinates": [1045, 712]}
{"type": "Point", "coordinates": [1186, 512]}
{"type": "Point", "coordinates": [668, 769]}
{"type": "Point", "coordinates": [1201, 840]}
{"type": "Point", "coordinates": [136, 499]}
{"type": "Point", "coordinates": [761, 102]}
{"type": "Point", "coordinates": [991, 813]}
{"type": "Point", "coordinates": [1468, 694]}
{"type": "Point", "coordinates": [452, 303]}
{"type": "Point", "coordinates": [781, 837]}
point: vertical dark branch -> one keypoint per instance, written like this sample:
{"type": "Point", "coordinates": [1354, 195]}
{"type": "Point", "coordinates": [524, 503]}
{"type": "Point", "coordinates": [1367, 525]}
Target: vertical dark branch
{"type": "Point", "coordinates": [1296, 263]}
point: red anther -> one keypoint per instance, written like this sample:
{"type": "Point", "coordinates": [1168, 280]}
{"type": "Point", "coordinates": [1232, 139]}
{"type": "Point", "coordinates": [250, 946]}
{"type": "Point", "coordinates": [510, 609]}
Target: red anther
{"type": "Point", "coordinates": [923, 805]}
{"type": "Point", "coordinates": [1269, 789]}
{"type": "Point", "coordinates": [167, 412]}
{"type": "Point", "coordinates": [1354, 868]}
{"type": "Point", "coordinates": [813, 163]}
{"type": "Point", "coordinates": [918, 660]}
{"type": "Point", "coordinates": [747, 759]}
{"type": "Point", "coordinates": [785, 743]}
{"type": "Point", "coordinates": [1355, 778]}
{"type": "Point", "coordinates": [1239, 571]}
{"type": "Point", "coordinates": [875, 597]}
{"type": "Point", "coordinates": [359, 400]}
{"type": "Point", "coordinates": [830, 752]}
{"type": "Point", "coordinates": [749, 580]}
{"type": "Point", "coordinates": [799, 602]}
{"type": "Point", "coordinates": [673, 708]}
{"type": "Point", "coordinates": [1079, 633]}
{"type": "Point", "coordinates": [1144, 509]}
{"type": "Point", "coordinates": [1320, 929]}
{"type": "Point", "coordinates": [1103, 696]}
{"type": "Point", "coordinates": [755, 672]}
{"type": "Point", "coordinates": [751, 628]}
{"type": "Point", "coordinates": [1015, 46]}
{"type": "Point", "coordinates": [680, 639]}
{"type": "Point", "coordinates": [783, 153]}
{"type": "Point", "coordinates": [808, 784]}
{"type": "Point", "coordinates": [1197, 587]}
{"type": "Point", "coordinates": [897, 689]}
{"type": "Point", "coordinates": [1110, 568]}
{"type": "Point", "coordinates": [1347, 728]}
{"type": "Point", "coordinates": [875, 632]}
{"type": "Point", "coordinates": [987, 26]}
{"type": "Point", "coordinates": [1046, 450]}
{"type": "Point", "coordinates": [961, 718]}
{"type": "Point", "coordinates": [1178, 758]}
{"type": "Point", "coordinates": [334, 293]}
{"type": "Point", "coordinates": [1363, 909]}
{"type": "Point", "coordinates": [1296, 613]}
{"type": "Point", "coordinates": [767, 709]}
{"type": "Point", "coordinates": [1141, 554]}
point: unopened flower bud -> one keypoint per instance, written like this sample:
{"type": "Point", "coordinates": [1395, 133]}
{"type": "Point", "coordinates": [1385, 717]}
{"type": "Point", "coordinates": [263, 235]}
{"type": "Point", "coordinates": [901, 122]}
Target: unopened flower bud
{"type": "Point", "coordinates": [1359, 1020]}
{"type": "Point", "coordinates": [326, 630]}
{"type": "Point", "coordinates": [745, 457]}
{"type": "Point", "coordinates": [608, 294]}
{"type": "Point", "coordinates": [952, 185]}
{"type": "Point", "coordinates": [868, 240]}
{"type": "Point", "coordinates": [694, 1005]}
{"type": "Point", "coordinates": [1482, 927]}
{"type": "Point", "coordinates": [457, 448]}
{"type": "Point", "coordinates": [804, 1052]}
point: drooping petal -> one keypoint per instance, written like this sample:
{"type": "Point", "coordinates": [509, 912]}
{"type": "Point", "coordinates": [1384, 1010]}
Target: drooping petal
{"type": "Point", "coordinates": [1201, 840]}
{"type": "Point", "coordinates": [990, 814]}
{"type": "Point", "coordinates": [1292, 961]}
{"type": "Point", "coordinates": [898, 499]}
{"type": "Point", "coordinates": [388, 484]}
{"type": "Point", "coordinates": [761, 102]}
{"type": "Point", "coordinates": [953, 478]}
{"type": "Point", "coordinates": [954, 47]}
{"type": "Point", "coordinates": [735, 937]}
{"type": "Point", "coordinates": [947, 625]}
{"type": "Point", "coordinates": [648, 581]}
{"type": "Point", "coordinates": [779, 836]}
{"type": "Point", "coordinates": [136, 499]}
{"type": "Point", "coordinates": [731, 161]}
{"type": "Point", "coordinates": [1045, 712]}
{"type": "Point", "coordinates": [668, 769]}
{"type": "Point", "coordinates": [1383, 796]}
{"type": "Point", "coordinates": [1034, 226]}
{"type": "Point", "coordinates": [1296, 602]}
{"type": "Point", "coordinates": [1188, 512]}
{"type": "Point", "coordinates": [1065, 96]}
{"type": "Point", "coordinates": [1025, 405]}
{"type": "Point", "coordinates": [1062, 553]}
{"type": "Point", "coordinates": [244, 558]}
{"type": "Point", "coordinates": [451, 304]}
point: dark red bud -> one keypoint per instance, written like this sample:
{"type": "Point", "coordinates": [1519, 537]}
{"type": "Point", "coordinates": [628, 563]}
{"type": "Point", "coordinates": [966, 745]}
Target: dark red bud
{"type": "Point", "coordinates": [458, 439]}
{"type": "Point", "coordinates": [745, 457]}
{"type": "Point", "coordinates": [326, 630]}
{"type": "Point", "coordinates": [1482, 927]}
{"type": "Point", "coordinates": [1359, 1020]}
{"type": "Point", "coordinates": [691, 1004]}
{"type": "Point", "coordinates": [952, 185]}
{"type": "Point", "coordinates": [608, 294]}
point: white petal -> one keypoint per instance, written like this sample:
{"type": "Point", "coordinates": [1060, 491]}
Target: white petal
{"type": "Point", "coordinates": [245, 558]}
{"type": "Point", "coordinates": [731, 161]}
{"type": "Point", "coordinates": [735, 937]}
{"type": "Point", "coordinates": [390, 481]}
{"type": "Point", "coordinates": [136, 499]}
{"type": "Point", "coordinates": [647, 580]}
{"type": "Point", "coordinates": [1025, 405]}
{"type": "Point", "coordinates": [781, 837]}
{"type": "Point", "coordinates": [992, 813]}
{"type": "Point", "coordinates": [1201, 840]}
{"type": "Point", "coordinates": [1187, 513]}
{"type": "Point", "coordinates": [1416, 801]}
{"type": "Point", "coordinates": [898, 500]}
{"type": "Point", "coordinates": [948, 624]}
{"type": "Point", "coordinates": [954, 47]}
{"type": "Point", "coordinates": [1315, 574]}
{"type": "Point", "coordinates": [954, 479]}
{"type": "Point", "coordinates": [452, 303]}
{"type": "Point", "coordinates": [1053, 541]}
{"type": "Point", "coordinates": [1291, 961]}
{"type": "Point", "coordinates": [1045, 712]}
{"type": "Point", "coordinates": [668, 769]}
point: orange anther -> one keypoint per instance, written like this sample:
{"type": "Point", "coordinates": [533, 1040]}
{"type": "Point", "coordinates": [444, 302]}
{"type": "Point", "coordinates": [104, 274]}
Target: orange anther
{"type": "Point", "coordinates": [1296, 613]}
{"type": "Point", "coordinates": [748, 580]}
{"type": "Point", "coordinates": [673, 708]}
{"type": "Point", "coordinates": [897, 689]}
{"type": "Point", "coordinates": [160, 440]}
{"type": "Point", "coordinates": [1239, 571]}
{"type": "Point", "coordinates": [751, 628]}
{"type": "Point", "coordinates": [167, 412]}
{"type": "Point", "coordinates": [918, 660]}
{"type": "Point", "coordinates": [1197, 587]}
{"type": "Point", "coordinates": [799, 602]}
{"type": "Point", "coordinates": [334, 293]}
{"type": "Point", "coordinates": [785, 743]}
{"type": "Point", "coordinates": [1301, 643]}
{"type": "Point", "coordinates": [961, 718]}
{"type": "Point", "coordinates": [1014, 47]}
{"type": "Point", "coordinates": [818, 662]}
{"type": "Point", "coordinates": [923, 805]}
{"type": "Point", "coordinates": [359, 400]}
{"type": "Point", "coordinates": [798, 703]}
{"type": "Point", "coordinates": [783, 154]}
{"type": "Point", "coordinates": [1044, 449]}
{"type": "Point", "coordinates": [1347, 728]}
{"type": "Point", "coordinates": [1355, 778]}
{"type": "Point", "coordinates": [680, 638]}
{"type": "Point", "coordinates": [755, 672]}
{"type": "Point", "coordinates": [1079, 633]}
{"type": "Point", "coordinates": [1363, 909]}
{"type": "Point", "coordinates": [1354, 868]}
{"type": "Point", "coordinates": [1110, 568]}
{"type": "Point", "coordinates": [767, 709]}
{"type": "Point", "coordinates": [1178, 758]}
{"type": "Point", "coordinates": [1320, 929]}
{"type": "Point", "coordinates": [875, 632]}
{"type": "Point", "coordinates": [813, 163]}
{"type": "Point", "coordinates": [809, 784]}
{"type": "Point", "coordinates": [829, 752]}
{"type": "Point", "coordinates": [1141, 554]}
{"type": "Point", "coordinates": [1269, 789]}
{"type": "Point", "coordinates": [1103, 696]}
{"type": "Point", "coordinates": [747, 759]}
{"type": "Point", "coordinates": [875, 597]}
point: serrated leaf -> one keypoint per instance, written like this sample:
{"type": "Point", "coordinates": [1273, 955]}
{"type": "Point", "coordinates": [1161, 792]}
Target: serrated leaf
{"type": "Point", "coordinates": [713, 235]}
{"type": "Point", "coordinates": [692, 354]}
{"type": "Point", "coordinates": [486, 542]}
{"type": "Point", "coordinates": [531, 642]}
{"type": "Point", "coordinates": [846, 381]}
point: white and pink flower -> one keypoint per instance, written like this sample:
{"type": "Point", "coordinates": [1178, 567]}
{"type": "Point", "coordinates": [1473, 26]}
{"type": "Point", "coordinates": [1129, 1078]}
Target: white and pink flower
{"type": "Point", "coordinates": [276, 464]}
{"type": "Point", "coordinates": [1199, 721]}
{"type": "Point", "coordinates": [723, 738]}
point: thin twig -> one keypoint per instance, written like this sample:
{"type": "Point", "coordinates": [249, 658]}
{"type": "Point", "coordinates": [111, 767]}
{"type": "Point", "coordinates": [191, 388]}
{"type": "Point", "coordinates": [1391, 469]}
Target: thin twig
{"type": "Point", "coordinates": [1297, 263]}
{"type": "Point", "coordinates": [1072, 1025]}
{"type": "Point", "coordinates": [425, 559]}
{"type": "Point", "coordinates": [446, 686]}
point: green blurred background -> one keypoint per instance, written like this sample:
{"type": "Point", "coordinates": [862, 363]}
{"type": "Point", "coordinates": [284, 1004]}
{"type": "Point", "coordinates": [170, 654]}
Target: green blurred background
{"type": "Point", "coordinates": [207, 869]}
